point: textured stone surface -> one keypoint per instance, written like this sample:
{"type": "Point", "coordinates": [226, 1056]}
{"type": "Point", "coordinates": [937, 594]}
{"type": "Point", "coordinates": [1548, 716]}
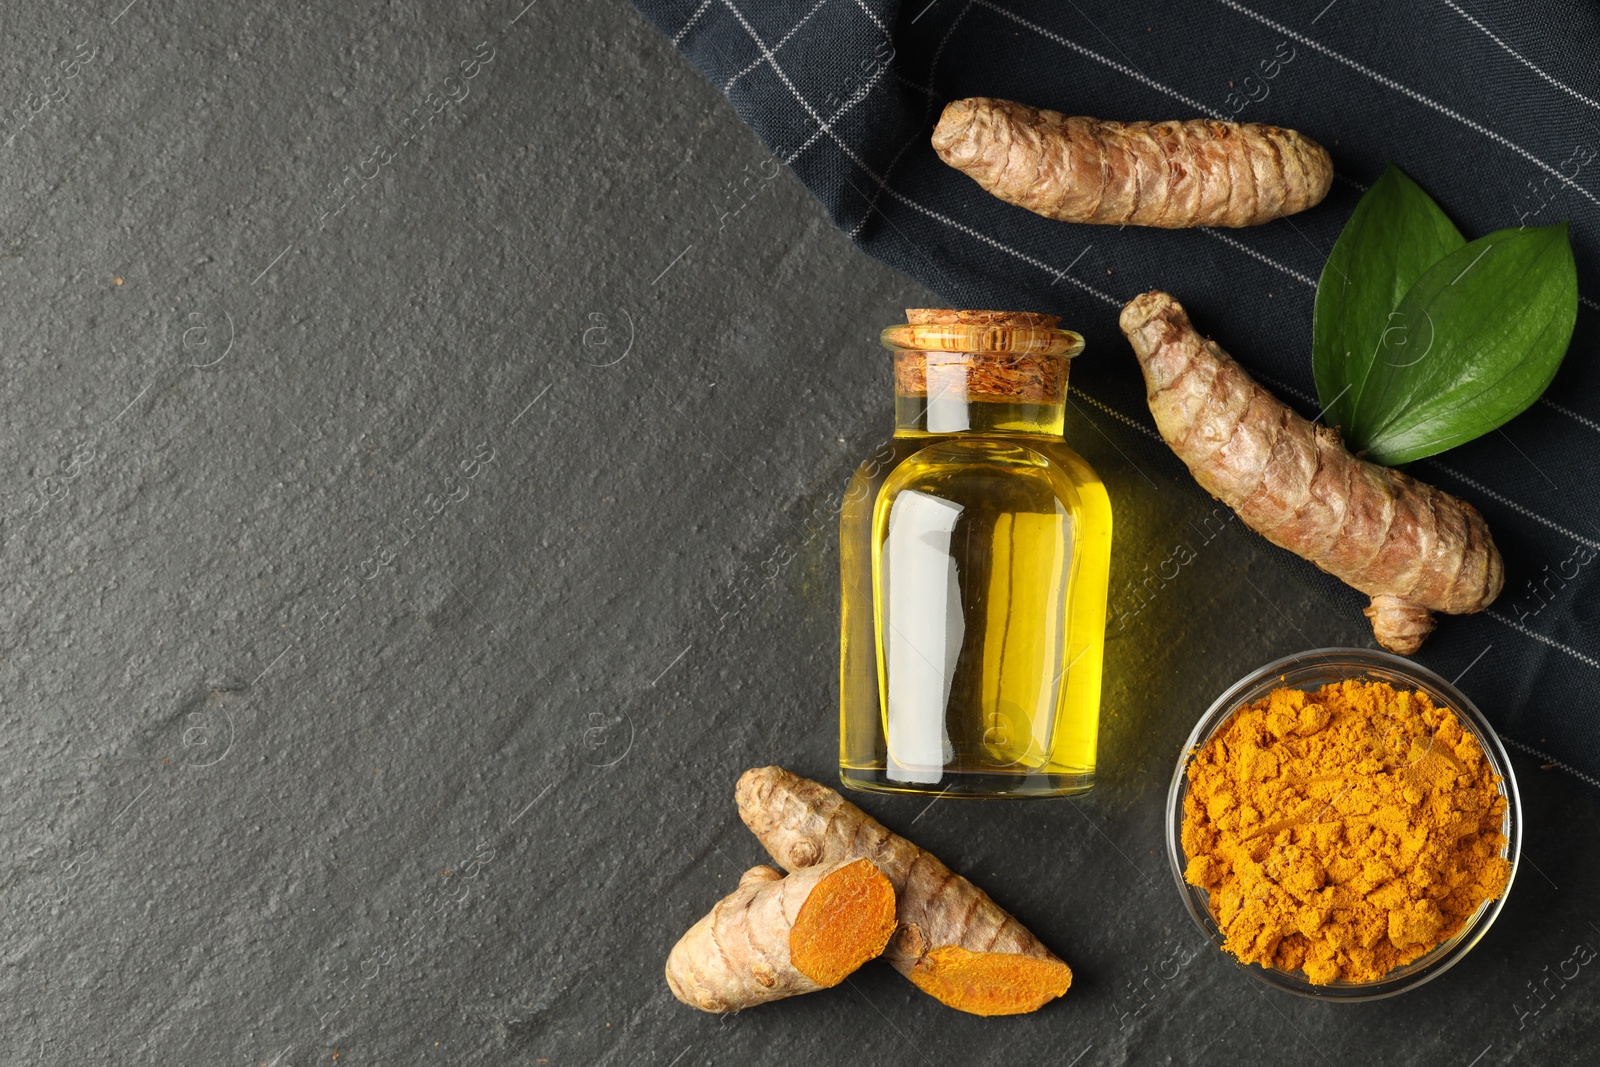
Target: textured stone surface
{"type": "Point", "coordinates": [394, 597]}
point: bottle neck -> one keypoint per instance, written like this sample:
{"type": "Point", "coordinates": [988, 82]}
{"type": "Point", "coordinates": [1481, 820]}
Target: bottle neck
{"type": "Point", "coordinates": [939, 393]}
{"type": "Point", "coordinates": [979, 372]}
{"type": "Point", "coordinates": [921, 416]}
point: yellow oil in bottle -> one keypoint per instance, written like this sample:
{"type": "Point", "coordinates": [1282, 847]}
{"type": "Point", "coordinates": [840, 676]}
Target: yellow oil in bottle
{"type": "Point", "coordinates": [975, 552]}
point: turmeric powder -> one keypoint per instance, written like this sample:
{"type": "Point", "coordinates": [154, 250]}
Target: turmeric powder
{"type": "Point", "coordinates": [1343, 832]}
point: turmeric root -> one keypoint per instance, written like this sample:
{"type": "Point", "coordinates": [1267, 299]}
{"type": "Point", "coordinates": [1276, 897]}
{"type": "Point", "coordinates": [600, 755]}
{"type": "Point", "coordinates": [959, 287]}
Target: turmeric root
{"type": "Point", "coordinates": [953, 942]}
{"type": "Point", "coordinates": [777, 936]}
{"type": "Point", "coordinates": [1168, 174]}
{"type": "Point", "coordinates": [1412, 548]}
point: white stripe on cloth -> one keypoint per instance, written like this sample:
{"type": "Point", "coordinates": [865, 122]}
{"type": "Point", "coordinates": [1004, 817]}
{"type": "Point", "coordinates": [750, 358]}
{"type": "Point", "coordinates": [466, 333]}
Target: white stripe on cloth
{"type": "Point", "coordinates": [1136, 75]}
{"type": "Point", "coordinates": [991, 242]}
{"type": "Point", "coordinates": [1569, 413]}
{"type": "Point", "coordinates": [766, 54]}
{"type": "Point", "coordinates": [694, 17]}
{"type": "Point", "coordinates": [1552, 642]}
{"type": "Point", "coordinates": [726, 89]}
{"type": "Point", "coordinates": [1305, 279]}
{"type": "Point", "coordinates": [1247, 250]}
{"type": "Point", "coordinates": [827, 127]}
{"type": "Point", "coordinates": [1508, 502]}
{"type": "Point", "coordinates": [1549, 759]}
{"type": "Point", "coordinates": [1115, 414]}
{"type": "Point", "coordinates": [873, 15]}
{"type": "Point", "coordinates": [1519, 57]}
{"type": "Point", "coordinates": [1406, 90]}
{"type": "Point", "coordinates": [927, 113]}
{"type": "Point", "coordinates": [1281, 386]}
{"type": "Point", "coordinates": [824, 127]}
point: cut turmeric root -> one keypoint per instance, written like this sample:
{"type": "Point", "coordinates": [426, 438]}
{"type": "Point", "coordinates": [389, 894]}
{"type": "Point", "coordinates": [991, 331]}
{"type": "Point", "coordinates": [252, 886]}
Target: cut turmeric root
{"type": "Point", "coordinates": [953, 942]}
{"type": "Point", "coordinates": [1412, 548]}
{"type": "Point", "coordinates": [776, 936]}
{"type": "Point", "coordinates": [1167, 174]}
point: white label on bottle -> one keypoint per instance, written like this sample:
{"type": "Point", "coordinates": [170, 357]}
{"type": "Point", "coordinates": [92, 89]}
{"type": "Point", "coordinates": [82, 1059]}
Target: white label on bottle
{"type": "Point", "coordinates": [923, 630]}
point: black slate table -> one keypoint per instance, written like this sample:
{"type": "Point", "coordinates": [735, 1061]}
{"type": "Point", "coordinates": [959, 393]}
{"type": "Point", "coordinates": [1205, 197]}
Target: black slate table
{"type": "Point", "coordinates": [418, 509]}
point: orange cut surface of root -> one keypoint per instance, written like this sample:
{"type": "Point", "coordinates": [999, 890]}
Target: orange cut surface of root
{"type": "Point", "coordinates": [846, 921]}
{"type": "Point", "coordinates": [965, 946]}
{"type": "Point", "coordinates": [990, 983]}
{"type": "Point", "coordinates": [778, 936]}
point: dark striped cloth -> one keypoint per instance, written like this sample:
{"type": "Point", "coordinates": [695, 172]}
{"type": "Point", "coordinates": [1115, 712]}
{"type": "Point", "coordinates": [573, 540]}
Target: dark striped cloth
{"type": "Point", "coordinates": [1493, 107]}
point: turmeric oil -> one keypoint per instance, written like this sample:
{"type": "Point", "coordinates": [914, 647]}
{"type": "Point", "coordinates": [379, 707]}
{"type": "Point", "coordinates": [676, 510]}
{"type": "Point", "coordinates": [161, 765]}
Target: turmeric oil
{"type": "Point", "coordinates": [974, 562]}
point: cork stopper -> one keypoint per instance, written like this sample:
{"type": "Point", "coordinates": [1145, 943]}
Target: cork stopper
{"type": "Point", "coordinates": [952, 317]}
{"type": "Point", "coordinates": [1016, 356]}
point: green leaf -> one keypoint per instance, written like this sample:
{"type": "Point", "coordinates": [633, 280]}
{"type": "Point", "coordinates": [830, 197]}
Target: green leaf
{"type": "Point", "coordinates": [1474, 341]}
{"type": "Point", "coordinates": [1395, 234]}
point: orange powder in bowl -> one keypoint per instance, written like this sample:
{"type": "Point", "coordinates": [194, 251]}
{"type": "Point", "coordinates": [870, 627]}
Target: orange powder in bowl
{"type": "Point", "coordinates": [1343, 832]}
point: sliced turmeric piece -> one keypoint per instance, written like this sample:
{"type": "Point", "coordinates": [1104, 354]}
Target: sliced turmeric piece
{"type": "Point", "coordinates": [1410, 547]}
{"type": "Point", "coordinates": [953, 942]}
{"type": "Point", "coordinates": [1168, 174]}
{"type": "Point", "coordinates": [989, 983]}
{"type": "Point", "coordinates": [777, 936]}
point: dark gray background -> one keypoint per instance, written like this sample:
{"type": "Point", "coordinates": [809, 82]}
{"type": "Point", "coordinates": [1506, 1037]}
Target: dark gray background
{"type": "Point", "coordinates": [271, 800]}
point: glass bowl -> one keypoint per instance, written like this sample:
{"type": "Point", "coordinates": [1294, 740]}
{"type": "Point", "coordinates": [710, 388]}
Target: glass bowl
{"type": "Point", "coordinates": [1310, 670]}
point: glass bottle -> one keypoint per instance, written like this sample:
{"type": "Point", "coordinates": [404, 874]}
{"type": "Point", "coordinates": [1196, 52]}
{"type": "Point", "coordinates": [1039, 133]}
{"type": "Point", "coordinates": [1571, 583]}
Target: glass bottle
{"type": "Point", "coordinates": [975, 549]}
